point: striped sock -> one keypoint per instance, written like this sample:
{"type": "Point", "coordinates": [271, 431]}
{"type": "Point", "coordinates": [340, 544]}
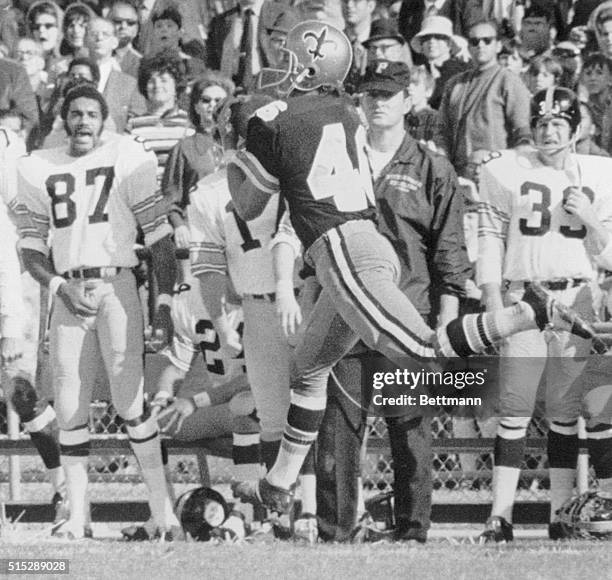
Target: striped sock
{"type": "Point", "coordinates": [245, 454]}
{"type": "Point", "coordinates": [474, 333]}
{"type": "Point", "coordinates": [303, 422]}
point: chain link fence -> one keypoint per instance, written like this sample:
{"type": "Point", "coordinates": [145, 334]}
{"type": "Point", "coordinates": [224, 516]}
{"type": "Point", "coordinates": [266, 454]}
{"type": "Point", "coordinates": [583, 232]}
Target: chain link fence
{"type": "Point", "coordinates": [458, 476]}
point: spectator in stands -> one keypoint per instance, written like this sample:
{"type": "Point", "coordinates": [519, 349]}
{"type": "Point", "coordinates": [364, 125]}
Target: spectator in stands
{"type": "Point", "coordinates": [421, 120]}
{"type": "Point", "coordinates": [230, 31]}
{"type": "Point", "coordinates": [585, 144]}
{"type": "Point", "coordinates": [486, 107]}
{"type": "Point", "coordinates": [167, 35]}
{"type": "Point", "coordinates": [44, 19]}
{"type": "Point", "coordinates": [461, 13]}
{"type": "Point", "coordinates": [16, 93]}
{"type": "Point", "coordinates": [600, 23]}
{"type": "Point", "coordinates": [325, 10]}
{"type": "Point", "coordinates": [510, 55]}
{"type": "Point", "coordinates": [537, 29]}
{"type": "Point", "coordinates": [120, 90]}
{"type": "Point", "coordinates": [437, 43]}
{"type": "Point", "coordinates": [195, 17]}
{"type": "Point", "coordinates": [29, 54]}
{"type": "Point", "coordinates": [125, 19]}
{"type": "Point", "coordinates": [74, 29]}
{"type": "Point", "coordinates": [161, 81]}
{"type": "Point", "coordinates": [358, 16]}
{"type": "Point", "coordinates": [543, 72]}
{"type": "Point", "coordinates": [198, 155]}
{"type": "Point", "coordinates": [570, 58]}
{"type": "Point", "coordinates": [386, 43]}
{"type": "Point", "coordinates": [596, 78]}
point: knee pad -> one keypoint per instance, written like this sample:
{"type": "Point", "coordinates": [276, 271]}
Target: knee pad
{"type": "Point", "coordinates": [75, 442]}
{"type": "Point", "coordinates": [25, 400]}
{"type": "Point", "coordinates": [242, 404]}
{"type": "Point", "coordinates": [563, 445]}
{"type": "Point", "coordinates": [599, 442]}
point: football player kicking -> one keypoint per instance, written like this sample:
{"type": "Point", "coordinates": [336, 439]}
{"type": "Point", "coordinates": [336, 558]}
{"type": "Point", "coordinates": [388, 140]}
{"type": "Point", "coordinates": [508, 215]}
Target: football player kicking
{"type": "Point", "coordinates": [83, 202]}
{"type": "Point", "coordinates": [311, 151]}
{"type": "Point", "coordinates": [546, 215]}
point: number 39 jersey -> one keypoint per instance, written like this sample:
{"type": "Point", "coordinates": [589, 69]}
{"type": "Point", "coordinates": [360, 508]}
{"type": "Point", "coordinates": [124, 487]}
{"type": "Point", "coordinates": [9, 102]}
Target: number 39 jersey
{"type": "Point", "coordinates": [89, 207]}
{"type": "Point", "coordinates": [312, 150]}
{"type": "Point", "coordinates": [194, 333]}
{"type": "Point", "coordinates": [524, 231]}
{"type": "Point", "coordinates": [221, 241]}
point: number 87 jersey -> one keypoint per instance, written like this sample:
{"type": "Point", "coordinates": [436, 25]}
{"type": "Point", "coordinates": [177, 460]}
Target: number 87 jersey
{"type": "Point", "coordinates": [90, 204]}
{"type": "Point", "coordinates": [312, 150]}
{"type": "Point", "coordinates": [524, 231]}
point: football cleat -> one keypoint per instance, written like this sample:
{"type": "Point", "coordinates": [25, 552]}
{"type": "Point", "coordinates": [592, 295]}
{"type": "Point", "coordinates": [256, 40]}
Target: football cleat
{"type": "Point", "coordinates": [135, 534]}
{"type": "Point", "coordinates": [367, 531]}
{"type": "Point", "coordinates": [60, 506]}
{"type": "Point", "coordinates": [558, 531]}
{"type": "Point", "coordinates": [170, 534]}
{"type": "Point", "coordinates": [550, 314]}
{"type": "Point", "coordinates": [497, 530]}
{"type": "Point", "coordinates": [262, 492]}
{"type": "Point", "coordinates": [306, 529]}
{"type": "Point", "coordinates": [68, 531]}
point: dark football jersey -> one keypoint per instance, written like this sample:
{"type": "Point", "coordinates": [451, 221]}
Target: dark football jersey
{"type": "Point", "coordinates": [314, 146]}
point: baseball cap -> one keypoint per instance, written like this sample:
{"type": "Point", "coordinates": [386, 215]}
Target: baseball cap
{"type": "Point", "coordinates": [392, 77]}
{"type": "Point", "coordinates": [381, 29]}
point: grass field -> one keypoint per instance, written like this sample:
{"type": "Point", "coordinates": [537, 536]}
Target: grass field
{"type": "Point", "coordinates": [440, 559]}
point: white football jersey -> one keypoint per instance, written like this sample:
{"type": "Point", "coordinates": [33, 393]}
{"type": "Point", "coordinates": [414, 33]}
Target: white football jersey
{"type": "Point", "coordinates": [221, 241]}
{"type": "Point", "coordinates": [524, 231]}
{"type": "Point", "coordinates": [91, 204]}
{"type": "Point", "coordinates": [194, 333]}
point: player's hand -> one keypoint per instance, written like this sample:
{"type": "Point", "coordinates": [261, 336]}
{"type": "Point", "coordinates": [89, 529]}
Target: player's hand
{"type": "Point", "coordinates": [11, 349]}
{"type": "Point", "coordinates": [578, 203]}
{"type": "Point", "coordinates": [162, 324]}
{"type": "Point", "coordinates": [182, 237]}
{"type": "Point", "coordinates": [161, 401]}
{"type": "Point", "coordinates": [288, 311]}
{"type": "Point", "coordinates": [170, 420]}
{"type": "Point", "coordinates": [77, 300]}
{"type": "Point", "coordinates": [231, 344]}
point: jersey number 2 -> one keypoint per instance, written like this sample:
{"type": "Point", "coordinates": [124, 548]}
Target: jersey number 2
{"type": "Point", "coordinates": [61, 187]}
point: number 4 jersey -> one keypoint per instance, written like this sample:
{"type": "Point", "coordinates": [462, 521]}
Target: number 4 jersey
{"type": "Point", "coordinates": [312, 150]}
{"type": "Point", "coordinates": [524, 231]}
{"type": "Point", "coordinates": [88, 208]}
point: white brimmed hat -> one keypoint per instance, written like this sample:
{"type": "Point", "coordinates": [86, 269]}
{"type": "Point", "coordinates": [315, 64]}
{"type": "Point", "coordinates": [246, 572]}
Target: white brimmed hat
{"type": "Point", "coordinates": [438, 25]}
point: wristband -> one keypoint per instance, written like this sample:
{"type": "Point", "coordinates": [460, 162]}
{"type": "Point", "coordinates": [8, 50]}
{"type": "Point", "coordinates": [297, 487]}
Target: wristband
{"type": "Point", "coordinates": [54, 284]}
{"type": "Point", "coordinates": [164, 300]}
{"type": "Point", "coordinates": [201, 400]}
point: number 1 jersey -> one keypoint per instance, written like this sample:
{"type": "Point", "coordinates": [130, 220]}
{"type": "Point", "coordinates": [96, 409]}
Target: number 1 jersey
{"type": "Point", "coordinates": [311, 150]}
{"type": "Point", "coordinates": [87, 208]}
{"type": "Point", "coordinates": [524, 231]}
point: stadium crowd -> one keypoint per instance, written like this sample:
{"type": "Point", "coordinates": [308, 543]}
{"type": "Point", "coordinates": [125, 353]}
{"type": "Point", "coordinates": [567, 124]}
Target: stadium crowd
{"type": "Point", "coordinates": [440, 88]}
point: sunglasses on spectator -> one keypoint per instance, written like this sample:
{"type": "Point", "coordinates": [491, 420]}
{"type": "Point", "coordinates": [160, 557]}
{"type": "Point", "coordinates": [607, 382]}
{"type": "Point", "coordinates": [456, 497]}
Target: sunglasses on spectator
{"type": "Point", "coordinates": [475, 41]}
{"type": "Point", "coordinates": [207, 100]}
{"type": "Point", "coordinates": [427, 37]}
{"type": "Point", "coordinates": [45, 25]}
{"type": "Point", "coordinates": [128, 21]}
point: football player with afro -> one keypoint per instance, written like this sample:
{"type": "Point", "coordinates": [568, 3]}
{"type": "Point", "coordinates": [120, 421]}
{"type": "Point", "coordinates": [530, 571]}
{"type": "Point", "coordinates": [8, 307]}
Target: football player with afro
{"type": "Point", "coordinates": [310, 150]}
